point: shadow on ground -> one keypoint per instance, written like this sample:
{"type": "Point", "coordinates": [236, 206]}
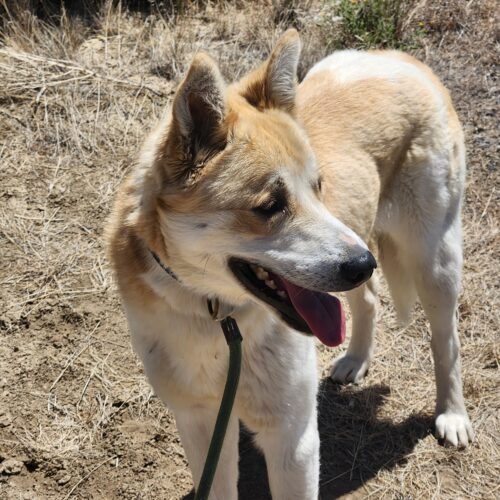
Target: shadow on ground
{"type": "Point", "coordinates": [355, 444]}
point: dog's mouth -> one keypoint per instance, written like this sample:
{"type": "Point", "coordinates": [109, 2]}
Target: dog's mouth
{"type": "Point", "coordinates": [308, 311]}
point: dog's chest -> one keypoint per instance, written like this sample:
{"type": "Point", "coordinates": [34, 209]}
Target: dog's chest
{"type": "Point", "coordinates": [185, 359]}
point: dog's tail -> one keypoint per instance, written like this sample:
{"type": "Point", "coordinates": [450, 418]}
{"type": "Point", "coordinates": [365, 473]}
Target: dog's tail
{"type": "Point", "coordinates": [399, 278]}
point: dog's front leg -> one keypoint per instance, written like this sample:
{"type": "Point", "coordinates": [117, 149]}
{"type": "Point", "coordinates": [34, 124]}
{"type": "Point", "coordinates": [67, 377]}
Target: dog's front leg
{"type": "Point", "coordinates": [353, 365]}
{"type": "Point", "coordinates": [292, 457]}
{"type": "Point", "coordinates": [195, 426]}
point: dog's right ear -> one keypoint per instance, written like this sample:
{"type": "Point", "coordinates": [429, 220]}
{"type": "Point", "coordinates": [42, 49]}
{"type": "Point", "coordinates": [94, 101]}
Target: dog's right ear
{"type": "Point", "coordinates": [197, 128]}
{"type": "Point", "coordinates": [273, 84]}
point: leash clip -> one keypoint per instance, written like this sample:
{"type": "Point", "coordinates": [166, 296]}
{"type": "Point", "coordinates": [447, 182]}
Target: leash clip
{"type": "Point", "coordinates": [218, 311]}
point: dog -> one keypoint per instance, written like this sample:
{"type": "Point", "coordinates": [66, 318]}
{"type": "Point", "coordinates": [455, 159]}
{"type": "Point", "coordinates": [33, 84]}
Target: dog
{"type": "Point", "coordinates": [260, 195]}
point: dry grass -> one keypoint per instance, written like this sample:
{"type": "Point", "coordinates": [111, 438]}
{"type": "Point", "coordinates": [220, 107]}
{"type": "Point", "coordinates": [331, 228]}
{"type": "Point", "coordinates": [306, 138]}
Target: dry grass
{"type": "Point", "coordinates": [76, 97]}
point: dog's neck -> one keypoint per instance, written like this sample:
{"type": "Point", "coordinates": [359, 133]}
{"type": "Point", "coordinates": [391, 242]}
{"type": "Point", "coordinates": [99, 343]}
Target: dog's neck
{"type": "Point", "coordinates": [166, 283]}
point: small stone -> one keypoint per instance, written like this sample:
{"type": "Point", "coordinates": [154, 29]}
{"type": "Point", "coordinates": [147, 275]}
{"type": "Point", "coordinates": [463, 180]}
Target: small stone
{"type": "Point", "coordinates": [63, 480]}
{"type": "Point", "coordinates": [11, 467]}
{"type": "Point", "coordinates": [5, 419]}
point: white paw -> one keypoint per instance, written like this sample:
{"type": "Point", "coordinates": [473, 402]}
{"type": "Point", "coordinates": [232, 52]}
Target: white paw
{"type": "Point", "coordinates": [454, 429]}
{"type": "Point", "coordinates": [349, 368]}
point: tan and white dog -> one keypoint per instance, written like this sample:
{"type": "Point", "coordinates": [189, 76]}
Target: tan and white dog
{"type": "Point", "coordinates": [261, 194]}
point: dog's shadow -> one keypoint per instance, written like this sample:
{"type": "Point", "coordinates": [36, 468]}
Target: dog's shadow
{"type": "Point", "coordinates": [355, 443]}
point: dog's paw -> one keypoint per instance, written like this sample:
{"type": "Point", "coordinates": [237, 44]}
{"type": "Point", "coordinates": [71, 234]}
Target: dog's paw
{"type": "Point", "coordinates": [454, 429]}
{"type": "Point", "coordinates": [348, 368]}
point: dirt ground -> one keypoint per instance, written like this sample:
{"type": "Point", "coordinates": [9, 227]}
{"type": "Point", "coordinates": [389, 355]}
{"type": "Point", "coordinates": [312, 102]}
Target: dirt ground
{"type": "Point", "coordinates": [77, 417]}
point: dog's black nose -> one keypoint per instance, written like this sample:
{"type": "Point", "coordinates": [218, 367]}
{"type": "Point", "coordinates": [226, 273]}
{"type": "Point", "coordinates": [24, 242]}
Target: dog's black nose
{"type": "Point", "coordinates": [358, 269]}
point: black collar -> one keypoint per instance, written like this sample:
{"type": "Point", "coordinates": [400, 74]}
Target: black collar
{"type": "Point", "coordinates": [164, 267]}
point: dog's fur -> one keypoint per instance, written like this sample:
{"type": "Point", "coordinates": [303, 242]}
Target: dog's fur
{"type": "Point", "coordinates": [380, 130]}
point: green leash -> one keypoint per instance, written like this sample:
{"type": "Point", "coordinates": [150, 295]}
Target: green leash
{"type": "Point", "coordinates": [233, 339]}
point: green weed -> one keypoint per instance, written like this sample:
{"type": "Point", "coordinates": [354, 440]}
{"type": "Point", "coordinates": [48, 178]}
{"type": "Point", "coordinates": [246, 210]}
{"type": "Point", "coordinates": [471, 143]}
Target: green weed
{"type": "Point", "coordinates": [374, 24]}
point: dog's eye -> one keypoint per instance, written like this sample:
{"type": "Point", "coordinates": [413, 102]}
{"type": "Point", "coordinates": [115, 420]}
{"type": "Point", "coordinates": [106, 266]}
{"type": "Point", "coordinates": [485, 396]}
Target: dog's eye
{"type": "Point", "coordinates": [270, 208]}
{"type": "Point", "coordinates": [319, 184]}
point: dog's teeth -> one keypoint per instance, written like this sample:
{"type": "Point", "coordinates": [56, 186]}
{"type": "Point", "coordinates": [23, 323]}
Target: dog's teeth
{"type": "Point", "coordinates": [270, 284]}
{"type": "Point", "coordinates": [261, 274]}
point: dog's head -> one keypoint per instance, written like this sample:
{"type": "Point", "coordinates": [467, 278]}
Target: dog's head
{"type": "Point", "coordinates": [234, 194]}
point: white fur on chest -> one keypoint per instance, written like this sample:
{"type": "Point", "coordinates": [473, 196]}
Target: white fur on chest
{"type": "Point", "coordinates": [185, 354]}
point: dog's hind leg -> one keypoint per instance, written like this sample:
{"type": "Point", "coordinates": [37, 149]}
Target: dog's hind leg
{"type": "Point", "coordinates": [436, 273]}
{"type": "Point", "coordinates": [352, 366]}
{"type": "Point", "coordinates": [195, 426]}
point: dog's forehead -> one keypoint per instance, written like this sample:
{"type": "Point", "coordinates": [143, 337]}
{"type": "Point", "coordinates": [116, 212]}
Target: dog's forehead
{"type": "Point", "coordinates": [265, 145]}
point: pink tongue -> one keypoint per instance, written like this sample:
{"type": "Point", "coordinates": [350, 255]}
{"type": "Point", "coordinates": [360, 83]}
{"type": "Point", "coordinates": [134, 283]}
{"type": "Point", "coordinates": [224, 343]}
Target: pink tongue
{"type": "Point", "coordinates": [322, 312]}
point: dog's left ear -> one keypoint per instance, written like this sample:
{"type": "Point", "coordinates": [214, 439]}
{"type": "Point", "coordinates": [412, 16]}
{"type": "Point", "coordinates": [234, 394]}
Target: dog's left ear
{"type": "Point", "coordinates": [197, 127]}
{"type": "Point", "coordinates": [200, 102]}
{"type": "Point", "coordinates": [272, 85]}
